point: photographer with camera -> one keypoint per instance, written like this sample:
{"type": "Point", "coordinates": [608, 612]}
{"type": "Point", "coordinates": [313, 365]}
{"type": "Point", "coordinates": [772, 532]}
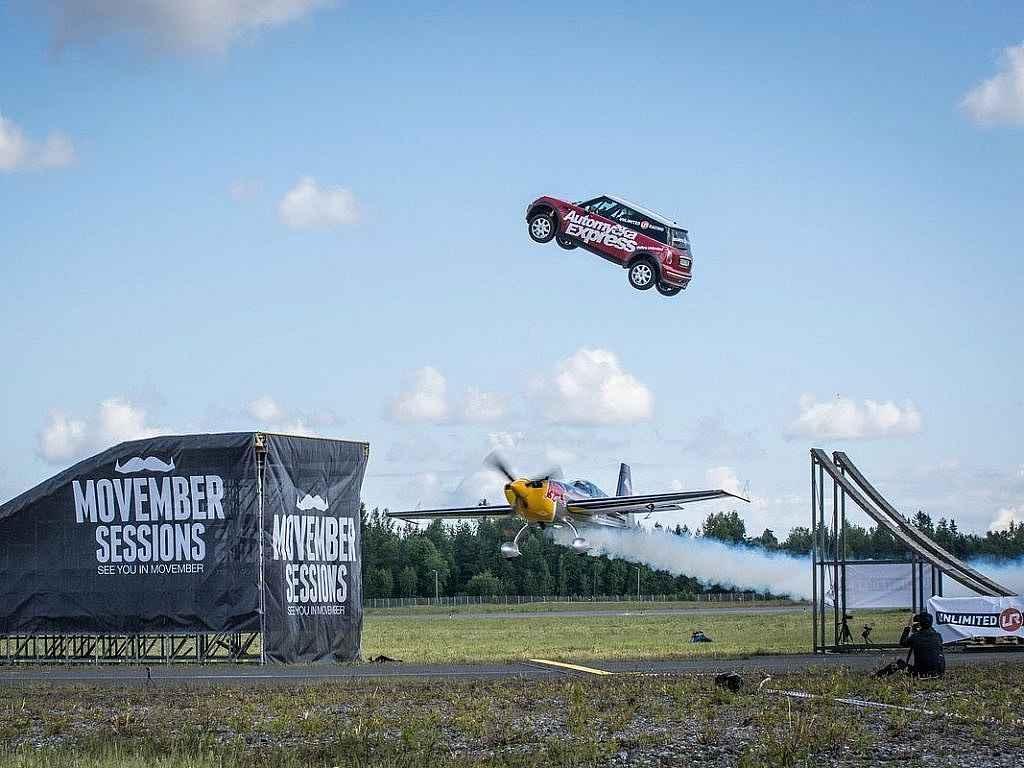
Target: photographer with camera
{"type": "Point", "coordinates": [926, 658]}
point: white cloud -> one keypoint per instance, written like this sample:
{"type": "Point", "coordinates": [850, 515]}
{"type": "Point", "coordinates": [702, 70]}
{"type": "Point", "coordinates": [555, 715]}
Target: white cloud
{"type": "Point", "coordinates": [590, 387]}
{"type": "Point", "coordinates": [724, 478]}
{"type": "Point", "coordinates": [845, 419]}
{"type": "Point", "coordinates": [308, 205]}
{"type": "Point", "coordinates": [481, 406]}
{"type": "Point", "coordinates": [1000, 99]}
{"type": "Point", "coordinates": [62, 438]}
{"type": "Point", "coordinates": [116, 420]}
{"type": "Point", "coordinates": [272, 417]}
{"type": "Point", "coordinates": [18, 152]}
{"type": "Point", "coordinates": [174, 24]}
{"type": "Point", "coordinates": [425, 400]}
{"type": "Point", "coordinates": [1005, 517]}
{"type": "Point", "coordinates": [426, 489]}
{"type": "Point", "coordinates": [265, 409]}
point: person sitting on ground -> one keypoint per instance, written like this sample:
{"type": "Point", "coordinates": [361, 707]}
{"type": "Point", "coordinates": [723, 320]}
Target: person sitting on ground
{"type": "Point", "coordinates": [926, 658]}
{"type": "Point", "coordinates": [925, 646]}
{"type": "Point", "coordinates": [699, 637]}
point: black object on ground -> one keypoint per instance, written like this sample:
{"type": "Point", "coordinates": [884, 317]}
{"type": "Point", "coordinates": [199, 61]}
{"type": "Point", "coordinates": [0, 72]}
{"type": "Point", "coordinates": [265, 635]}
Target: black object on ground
{"type": "Point", "coordinates": [730, 681]}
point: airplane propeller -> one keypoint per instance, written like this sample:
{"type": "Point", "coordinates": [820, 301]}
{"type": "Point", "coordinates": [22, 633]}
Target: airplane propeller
{"type": "Point", "coordinates": [495, 461]}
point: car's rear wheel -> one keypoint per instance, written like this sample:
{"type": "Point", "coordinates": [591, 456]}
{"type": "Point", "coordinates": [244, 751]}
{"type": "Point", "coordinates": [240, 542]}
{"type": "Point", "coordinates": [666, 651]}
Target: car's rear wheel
{"type": "Point", "coordinates": [542, 227]}
{"type": "Point", "coordinates": [643, 275]}
{"type": "Point", "coordinates": [566, 242]}
{"type": "Point", "coordinates": [669, 290]}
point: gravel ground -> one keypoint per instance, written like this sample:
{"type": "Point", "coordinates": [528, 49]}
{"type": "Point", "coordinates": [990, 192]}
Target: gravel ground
{"type": "Point", "coordinates": [619, 720]}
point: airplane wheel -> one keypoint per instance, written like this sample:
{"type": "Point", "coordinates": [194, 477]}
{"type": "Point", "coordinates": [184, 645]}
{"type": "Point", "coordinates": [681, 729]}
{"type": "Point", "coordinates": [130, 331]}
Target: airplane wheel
{"type": "Point", "coordinates": [565, 242]}
{"type": "Point", "coordinates": [542, 227]}
{"type": "Point", "coordinates": [643, 274]}
{"type": "Point", "coordinates": [668, 290]}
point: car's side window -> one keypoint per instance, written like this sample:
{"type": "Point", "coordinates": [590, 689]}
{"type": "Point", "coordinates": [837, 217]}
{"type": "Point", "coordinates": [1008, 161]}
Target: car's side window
{"type": "Point", "coordinates": [635, 220]}
{"type": "Point", "coordinates": [654, 230]}
{"type": "Point", "coordinates": [601, 206]}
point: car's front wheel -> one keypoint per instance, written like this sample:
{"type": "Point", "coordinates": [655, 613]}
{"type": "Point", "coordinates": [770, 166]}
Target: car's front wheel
{"type": "Point", "coordinates": [669, 290]}
{"type": "Point", "coordinates": [643, 274]}
{"type": "Point", "coordinates": [542, 227]}
{"type": "Point", "coordinates": [566, 242]}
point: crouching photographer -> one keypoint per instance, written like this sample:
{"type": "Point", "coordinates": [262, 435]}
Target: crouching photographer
{"type": "Point", "coordinates": [926, 658]}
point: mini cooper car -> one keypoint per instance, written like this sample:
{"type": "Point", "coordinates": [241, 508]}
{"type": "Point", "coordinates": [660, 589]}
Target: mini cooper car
{"type": "Point", "coordinates": [654, 250]}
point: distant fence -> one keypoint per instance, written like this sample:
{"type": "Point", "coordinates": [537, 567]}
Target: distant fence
{"type": "Point", "coordinates": [706, 597]}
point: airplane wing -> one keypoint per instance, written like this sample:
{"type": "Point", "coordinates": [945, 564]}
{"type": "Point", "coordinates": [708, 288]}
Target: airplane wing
{"type": "Point", "coordinates": [453, 513]}
{"type": "Point", "coordinates": [654, 502]}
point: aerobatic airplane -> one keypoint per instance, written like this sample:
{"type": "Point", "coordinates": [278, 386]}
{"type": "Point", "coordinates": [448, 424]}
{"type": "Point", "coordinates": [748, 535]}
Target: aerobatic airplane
{"type": "Point", "coordinates": [544, 501]}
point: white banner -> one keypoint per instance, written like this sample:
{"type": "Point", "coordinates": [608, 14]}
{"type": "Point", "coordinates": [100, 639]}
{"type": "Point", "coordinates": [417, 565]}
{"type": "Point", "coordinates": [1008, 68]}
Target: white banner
{"type": "Point", "coordinates": [876, 585]}
{"type": "Point", "coordinates": [960, 618]}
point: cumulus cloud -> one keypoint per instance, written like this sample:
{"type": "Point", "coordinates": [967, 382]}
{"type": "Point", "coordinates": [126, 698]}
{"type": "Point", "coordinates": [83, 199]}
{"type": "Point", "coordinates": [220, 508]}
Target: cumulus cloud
{"type": "Point", "coordinates": [425, 399]}
{"type": "Point", "coordinates": [264, 409]}
{"type": "Point", "coordinates": [1000, 99]}
{"type": "Point", "coordinates": [174, 24]}
{"type": "Point", "coordinates": [272, 417]}
{"type": "Point", "coordinates": [591, 388]}
{"type": "Point", "coordinates": [308, 205]}
{"type": "Point", "coordinates": [724, 478]}
{"type": "Point", "coordinates": [428, 489]}
{"type": "Point", "coordinates": [1007, 516]}
{"type": "Point", "coordinates": [19, 152]}
{"type": "Point", "coordinates": [64, 437]}
{"type": "Point", "coordinates": [845, 419]}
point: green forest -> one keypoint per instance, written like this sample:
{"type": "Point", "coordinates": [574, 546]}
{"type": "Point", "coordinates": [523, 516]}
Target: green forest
{"type": "Point", "coordinates": [402, 560]}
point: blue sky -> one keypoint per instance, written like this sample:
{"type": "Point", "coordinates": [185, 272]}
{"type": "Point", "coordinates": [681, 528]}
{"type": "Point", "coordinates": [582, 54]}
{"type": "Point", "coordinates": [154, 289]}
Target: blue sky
{"type": "Point", "coordinates": [308, 216]}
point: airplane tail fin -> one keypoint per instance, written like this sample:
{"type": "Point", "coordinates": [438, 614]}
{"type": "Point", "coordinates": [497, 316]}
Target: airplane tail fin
{"type": "Point", "coordinates": [625, 487]}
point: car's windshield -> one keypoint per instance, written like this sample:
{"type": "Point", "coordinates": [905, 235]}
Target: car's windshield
{"type": "Point", "coordinates": [680, 239]}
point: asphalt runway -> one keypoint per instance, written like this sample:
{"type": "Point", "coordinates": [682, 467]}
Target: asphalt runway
{"type": "Point", "coordinates": [456, 615]}
{"type": "Point", "coordinates": [251, 674]}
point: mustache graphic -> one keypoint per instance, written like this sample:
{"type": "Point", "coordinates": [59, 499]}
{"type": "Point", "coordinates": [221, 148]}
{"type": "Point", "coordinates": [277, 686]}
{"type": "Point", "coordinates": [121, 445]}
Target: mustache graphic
{"type": "Point", "coordinates": [308, 502]}
{"type": "Point", "coordinates": [138, 464]}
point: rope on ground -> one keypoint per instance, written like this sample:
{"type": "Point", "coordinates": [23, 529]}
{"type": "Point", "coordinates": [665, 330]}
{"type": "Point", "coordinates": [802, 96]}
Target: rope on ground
{"type": "Point", "coordinates": [866, 704]}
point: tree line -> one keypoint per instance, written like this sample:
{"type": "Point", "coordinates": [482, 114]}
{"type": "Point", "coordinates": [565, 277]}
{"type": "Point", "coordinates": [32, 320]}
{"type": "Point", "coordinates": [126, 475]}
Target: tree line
{"type": "Point", "coordinates": [403, 560]}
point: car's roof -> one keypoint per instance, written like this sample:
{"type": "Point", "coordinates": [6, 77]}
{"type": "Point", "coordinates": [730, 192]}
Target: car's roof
{"type": "Point", "coordinates": [659, 217]}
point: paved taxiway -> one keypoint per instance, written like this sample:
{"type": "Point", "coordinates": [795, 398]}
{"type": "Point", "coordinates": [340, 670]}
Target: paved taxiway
{"type": "Point", "coordinates": [251, 674]}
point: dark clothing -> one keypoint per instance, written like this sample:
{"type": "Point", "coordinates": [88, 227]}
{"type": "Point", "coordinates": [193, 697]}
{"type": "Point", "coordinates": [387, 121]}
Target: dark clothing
{"type": "Point", "coordinates": [926, 646]}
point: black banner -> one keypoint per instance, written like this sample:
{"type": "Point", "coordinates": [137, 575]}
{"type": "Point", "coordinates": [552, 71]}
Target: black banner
{"type": "Point", "coordinates": [311, 549]}
{"type": "Point", "coordinates": [158, 535]}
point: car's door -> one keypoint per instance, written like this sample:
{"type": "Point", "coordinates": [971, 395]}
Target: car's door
{"type": "Point", "coordinates": [599, 232]}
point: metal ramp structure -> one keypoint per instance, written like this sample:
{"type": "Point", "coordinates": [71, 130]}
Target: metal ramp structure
{"type": "Point", "coordinates": [928, 561]}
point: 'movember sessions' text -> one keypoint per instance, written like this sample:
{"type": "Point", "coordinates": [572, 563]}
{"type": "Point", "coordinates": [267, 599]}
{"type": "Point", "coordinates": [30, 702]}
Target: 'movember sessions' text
{"type": "Point", "coordinates": [150, 524]}
{"type": "Point", "coordinates": [315, 549]}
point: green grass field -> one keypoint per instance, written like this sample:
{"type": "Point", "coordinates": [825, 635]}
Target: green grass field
{"type": "Point", "coordinates": [579, 605]}
{"type": "Point", "coordinates": [442, 639]}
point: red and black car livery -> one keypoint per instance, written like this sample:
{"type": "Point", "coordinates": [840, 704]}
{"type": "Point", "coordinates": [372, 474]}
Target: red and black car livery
{"type": "Point", "coordinates": [655, 250]}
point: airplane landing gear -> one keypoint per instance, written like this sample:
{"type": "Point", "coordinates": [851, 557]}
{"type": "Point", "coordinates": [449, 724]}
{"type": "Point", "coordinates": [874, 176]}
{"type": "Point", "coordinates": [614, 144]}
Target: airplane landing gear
{"type": "Point", "coordinates": [510, 549]}
{"type": "Point", "coordinates": [579, 545]}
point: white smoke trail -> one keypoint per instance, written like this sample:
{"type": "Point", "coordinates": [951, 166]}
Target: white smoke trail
{"type": "Point", "coordinates": [1009, 573]}
{"type": "Point", "coordinates": [707, 560]}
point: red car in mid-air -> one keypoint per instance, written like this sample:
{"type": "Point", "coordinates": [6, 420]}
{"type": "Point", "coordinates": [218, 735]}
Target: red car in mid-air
{"type": "Point", "coordinates": [654, 250]}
